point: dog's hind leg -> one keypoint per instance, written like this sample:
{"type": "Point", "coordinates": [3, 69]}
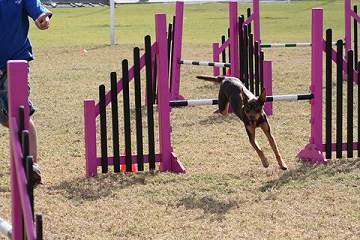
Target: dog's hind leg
{"type": "Point", "coordinates": [251, 134]}
{"type": "Point", "coordinates": [266, 128]}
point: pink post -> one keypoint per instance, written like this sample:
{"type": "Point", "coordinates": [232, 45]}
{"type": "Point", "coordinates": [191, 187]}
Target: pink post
{"type": "Point", "coordinates": [216, 70]}
{"type": "Point", "coordinates": [347, 4]}
{"type": "Point", "coordinates": [312, 151]}
{"type": "Point", "coordinates": [234, 41]}
{"type": "Point", "coordinates": [268, 107]}
{"type": "Point", "coordinates": [256, 12]}
{"type": "Point", "coordinates": [18, 95]}
{"type": "Point", "coordinates": [90, 138]}
{"type": "Point", "coordinates": [175, 87]}
{"type": "Point", "coordinates": [169, 161]}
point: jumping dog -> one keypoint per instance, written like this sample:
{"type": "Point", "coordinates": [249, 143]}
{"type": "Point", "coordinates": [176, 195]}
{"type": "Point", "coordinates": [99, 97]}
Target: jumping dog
{"type": "Point", "coordinates": [249, 109]}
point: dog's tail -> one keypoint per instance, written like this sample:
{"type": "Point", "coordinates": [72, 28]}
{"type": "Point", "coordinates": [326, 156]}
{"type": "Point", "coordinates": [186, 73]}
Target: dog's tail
{"type": "Point", "coordinates": [217, 79]}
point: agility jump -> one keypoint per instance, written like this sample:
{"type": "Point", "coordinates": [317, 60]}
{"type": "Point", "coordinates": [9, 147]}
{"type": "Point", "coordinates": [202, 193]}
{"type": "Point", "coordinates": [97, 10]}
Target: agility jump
{"type": "Point", "coordinates": [24, 224]}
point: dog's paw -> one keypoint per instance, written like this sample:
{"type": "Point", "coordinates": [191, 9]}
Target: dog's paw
{"type": "Point", "coordinates": [265, 162]}
{"type": "Point", "coordinates": [284, 167]}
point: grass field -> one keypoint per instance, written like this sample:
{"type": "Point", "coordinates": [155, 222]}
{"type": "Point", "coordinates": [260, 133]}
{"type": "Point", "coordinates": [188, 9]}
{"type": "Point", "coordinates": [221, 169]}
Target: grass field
{"type": "Point", "coordinates": [226, 193]}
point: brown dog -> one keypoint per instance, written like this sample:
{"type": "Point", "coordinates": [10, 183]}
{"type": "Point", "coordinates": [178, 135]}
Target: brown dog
{"type": "Point", "coordinates": [249, 109]}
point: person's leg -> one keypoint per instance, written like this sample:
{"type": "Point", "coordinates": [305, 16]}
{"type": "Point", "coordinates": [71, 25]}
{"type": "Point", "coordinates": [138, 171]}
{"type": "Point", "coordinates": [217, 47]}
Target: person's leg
{"type": "Point", "coordinates": [33, 140]}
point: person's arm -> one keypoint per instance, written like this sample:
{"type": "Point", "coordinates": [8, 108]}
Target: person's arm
{"type": "Point", "coordinates": [38, 13]}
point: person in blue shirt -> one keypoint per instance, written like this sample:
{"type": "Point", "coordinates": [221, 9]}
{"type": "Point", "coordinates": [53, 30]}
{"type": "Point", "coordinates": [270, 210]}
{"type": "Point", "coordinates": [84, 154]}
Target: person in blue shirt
{"type": "Point", "coordinates": [15, 45]}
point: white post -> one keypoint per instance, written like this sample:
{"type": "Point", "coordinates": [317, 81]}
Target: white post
{"type": "Point", "coordinates": [112, 23]}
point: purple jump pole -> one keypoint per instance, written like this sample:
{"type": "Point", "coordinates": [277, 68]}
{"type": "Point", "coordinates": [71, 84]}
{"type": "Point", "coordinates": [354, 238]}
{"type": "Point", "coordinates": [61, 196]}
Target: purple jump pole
{"type": "Point", "coordinates": [18, 96]}
{"type": "Point", "coordinates": [268, 107]}
{"type": "Point", "coordinates": [169, 161]}
{"type": "Point", "coordinates": [256, 13]}
{"type": "Point", "coordinates": [234, 41]}
{"type": "Point", "coordinates": [90, 138]}
{"type": "Point", "coordinates": [216, 70]}
{"type": "Point", "coordinates": [178, 31]}
{"type": "Point", "coordinates": [312, 151]}
{"type": "Point", "coordinates": [347, 11]}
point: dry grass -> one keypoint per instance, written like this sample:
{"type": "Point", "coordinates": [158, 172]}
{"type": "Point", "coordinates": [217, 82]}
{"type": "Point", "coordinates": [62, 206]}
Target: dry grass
{"type": "Point", "coordinates": [226, 194]}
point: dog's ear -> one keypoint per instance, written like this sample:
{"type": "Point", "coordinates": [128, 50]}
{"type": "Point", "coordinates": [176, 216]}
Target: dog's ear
{"type": "Point", "coordinates": [244, 97]}
{"type": "Point", "coordinates": [262, 96]}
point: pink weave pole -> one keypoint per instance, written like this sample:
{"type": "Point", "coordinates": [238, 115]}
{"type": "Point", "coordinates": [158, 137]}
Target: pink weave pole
{"type": "Point", "coordinates": [169, 161]}
{"type": "Point", "coordinates": [18, 96]}
{"type": "Point", "coordinates": [347, 11]}
{"type": "Point", "coordinates": [256, 13]}
{"type": "Point", "coordinates": [216, 70]}
{"type": "Point", "coordinates": [234, 41]}
{"type": "Point", "coordinates": [178, 28]}
{"type": "Point", "coordinates": [313, 151]}
{"type": "Point", "coordinates": [268, 107]}
{"type": "Point", "coordinates": [90, 138]}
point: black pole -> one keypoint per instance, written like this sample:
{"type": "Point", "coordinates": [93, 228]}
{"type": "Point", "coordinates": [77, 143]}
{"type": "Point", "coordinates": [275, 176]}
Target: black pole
{"type": "Point", "coordinates": [30, 180]}
{"type": "Point", "coordinates": [248, 11]}
{"type": "Point", "coordinates": [246, 58]}
{"type": "Point", "coordinates": [150, 102]}
{"type": "Point", "coordinates": [39, 227]}
{"type": "Point", "coordinates": [127, 126]}
{"type": "Point", "coordinates": [21, 112]}
{"type": "Point", "coordinates": [355, 36]}
{"type": "Point", "coordinates": [339, 97]}
{"type": "Point", "coordinates": [251, 62]}
{"type": "Point", "coordinates": [139, 133]}
{"type": "Point", "coordinates": [261, 70]}
{"type": "Point", "coordinates": [229, 48]}
{"type": "Point", "coordinates": [115, 121]}
{"type": "Point", "coordinates": [223, 55]}
{"type": "Point", "coordinates": [328, 96]}
{"type": "Point", "coordinates": [257, 73]}
{"type": "Point", "coordinates": [103, 133]}
{"type": "Point", "coordinates": [350, 101]}
{"type": "Point", "coordinates": [169, 36]}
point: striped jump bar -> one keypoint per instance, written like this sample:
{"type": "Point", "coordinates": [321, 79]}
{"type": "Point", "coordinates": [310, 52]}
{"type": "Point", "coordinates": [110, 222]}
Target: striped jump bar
{"type": "Point", "coordinates": [5, 228]}
{"type": "Point", "coordinates": [288, 45]}
{"type": "Point", "coordinates": [204, 63]}
{"type": "Point", "coordinates": [201, 102]}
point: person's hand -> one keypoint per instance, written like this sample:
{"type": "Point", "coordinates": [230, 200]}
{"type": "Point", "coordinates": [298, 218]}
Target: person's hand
{"type": "Point", "coordinates": [43, 21]}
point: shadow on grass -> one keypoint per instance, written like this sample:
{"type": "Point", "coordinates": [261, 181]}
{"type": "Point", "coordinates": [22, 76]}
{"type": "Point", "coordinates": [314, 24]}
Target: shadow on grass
{"type": "Point", "coordinates": [4, 189]}
{"type": "Point", "coordinates": [211, 119]}
{"type": "Point", "coordinates": [91, 189]}
{"type": "Point", "coordinates": [208, 204]}
{"type": "Point", "coordinates": [309, 171]}
{"type": "Point", "coordinates": [216, 118]}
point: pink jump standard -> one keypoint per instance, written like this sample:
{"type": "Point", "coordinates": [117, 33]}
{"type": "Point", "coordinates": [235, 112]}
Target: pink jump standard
{"type": "Point", "coordinates": [166, 157]}
{"type": "Point", "coordinates": [315, 149]}
{"type": "Point", "coordinates": [23, 225]}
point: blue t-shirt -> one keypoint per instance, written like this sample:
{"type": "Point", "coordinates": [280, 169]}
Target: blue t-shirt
{"type": "Point", "coordinates": [14, 29]}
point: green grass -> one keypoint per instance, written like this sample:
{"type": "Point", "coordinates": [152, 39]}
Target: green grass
{"type": "Point", "coordinates": [226, 194]}
{"type": "Point", "coordinates": [89, 27]}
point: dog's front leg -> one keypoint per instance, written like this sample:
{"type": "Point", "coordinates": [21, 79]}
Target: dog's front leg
{"type": "Point", "coordinates": [251, 134]}
{"type": "Point", "coordinates": [266, 128]}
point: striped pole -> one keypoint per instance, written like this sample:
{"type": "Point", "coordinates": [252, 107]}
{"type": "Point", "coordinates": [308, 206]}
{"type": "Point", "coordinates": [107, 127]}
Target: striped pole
{"type": "Point", "coordinates": [5, 228]}
{"type": "Point", "coordinates": [202, 102]}
{"type": "Point", "coordinates": [204, 63]}
{"type": "Point", "coordinates": [288, 45]}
